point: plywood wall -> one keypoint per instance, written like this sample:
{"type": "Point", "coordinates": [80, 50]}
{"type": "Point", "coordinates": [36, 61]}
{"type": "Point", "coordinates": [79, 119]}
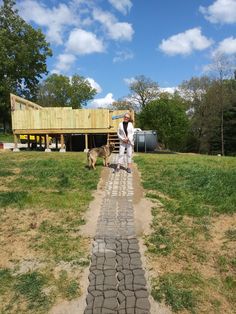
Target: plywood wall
{"type": "Point", "coordinates": [60, 118]}
{"type": "Point", "coordinates": [30, 116]}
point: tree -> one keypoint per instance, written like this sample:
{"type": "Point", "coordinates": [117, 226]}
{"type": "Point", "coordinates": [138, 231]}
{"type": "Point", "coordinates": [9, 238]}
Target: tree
{"type": "Point", "coordinates": [228, 89]}
{"type": "Point", "coordinates": [23, 55]}
{"type": "Point", "coordinates": [202, 111]}
{"type": "Point", "coordinates": [122, 105]}
{"type": "Point", "coordinates": [168, 117]}
{"type": "Point", "coordinates": [143, 90]}
{"type": "Point", "coordinates": [211, 103]}
{"type": "Point", "coordinates": [221, 68]}
{"type": "Point", "coordinates": [59, 91]}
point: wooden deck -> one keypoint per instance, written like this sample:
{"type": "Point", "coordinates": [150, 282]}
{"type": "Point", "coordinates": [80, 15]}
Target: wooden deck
{"type": "Point", "coordinates": [29, 118]}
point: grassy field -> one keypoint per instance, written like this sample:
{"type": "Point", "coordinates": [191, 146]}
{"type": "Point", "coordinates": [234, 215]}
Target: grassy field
{"type": "Point", "coordinates": [193, 241]}
{"type": "Point", "coordinates": [43, 198]}
{"type": "Point", "coordinates": [6, 138]}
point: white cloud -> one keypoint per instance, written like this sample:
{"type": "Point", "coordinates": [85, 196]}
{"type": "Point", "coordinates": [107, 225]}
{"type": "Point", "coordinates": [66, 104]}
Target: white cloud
{"type": "Point", "coordinates": [221, 11]}
{"type": "Point", "coordinates": [185, 43]}
{"type": "Point", "coordinates": [102, 102]}
{"type": "Point", "coordinates": [64, 63]}
{"type": "Point", "coordinates": [121, 5]}
{"type": "Point", "coordinates": [55, 19]}
{"type": "Point", "coordinates": [123, 56]}
{"type": "Point", "coordinates": [116, 30]}
{"type": "Point", "coordinates": [170, 90]}
{"type": "Point", "coordinates": [129, 80]}
{"type": "Point", "coordinates": [121, 31]}
{"type": "Point", "coordinates": [83, 42]}
{"type": "Point", "coordinates": [94, 84]}
{"type": "Point", "coordinates": [54, 71]}
{"type": "Point", "coordinates": [226, 46]}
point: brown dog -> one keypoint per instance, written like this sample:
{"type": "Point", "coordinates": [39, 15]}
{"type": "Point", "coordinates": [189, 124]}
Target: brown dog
{"type": "Point", "coordinates": [103, 151]}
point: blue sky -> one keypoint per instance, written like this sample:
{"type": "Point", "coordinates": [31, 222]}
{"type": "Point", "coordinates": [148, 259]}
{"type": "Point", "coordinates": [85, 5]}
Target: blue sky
{"type": "Point", "coordinates": [112, 41]}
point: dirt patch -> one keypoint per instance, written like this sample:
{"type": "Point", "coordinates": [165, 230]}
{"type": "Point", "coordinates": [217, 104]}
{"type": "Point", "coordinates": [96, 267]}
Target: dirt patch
{"type": "Point", "coordinates": [88, 231]}
{"type": "Point", "coordinates": [142, 206]}
{"type": "Point", "coordinates": [16, 230]}
{"type": "Point", "coordinates": [220, 225]}
{"type": "Point", "coordinates": [196, 254]}
{"type": "Point", "coordinates": [159, 194]}
{"type": "Point", "coordinates": [189, 253]}
{"type": "Point", "coordinates": [143, 219]}
{"type": "Point", "coordinates": [92, 214]}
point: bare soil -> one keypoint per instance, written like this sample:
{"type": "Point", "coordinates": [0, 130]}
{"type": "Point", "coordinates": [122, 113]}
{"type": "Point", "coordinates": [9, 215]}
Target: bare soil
{"type": "Point", "coordinates": [143, 219]}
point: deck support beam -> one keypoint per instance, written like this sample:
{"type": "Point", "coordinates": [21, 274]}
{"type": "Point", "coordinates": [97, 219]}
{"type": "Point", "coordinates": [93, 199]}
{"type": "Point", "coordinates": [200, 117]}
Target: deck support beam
{"type": "Point", "coordinates": [28, 141]}
{"type": "Point", "coordinates": [63, 148]}
{"type": "Point", "coordinates": [47, 150]}
{"type": "Point", "coordinates": [86, 143]}
{"type": "Point", "coordinates": [16, 149]}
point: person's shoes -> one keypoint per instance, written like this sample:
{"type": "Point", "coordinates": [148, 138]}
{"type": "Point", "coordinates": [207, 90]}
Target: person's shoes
{"type": "Point", "coordinates": [129, 170]}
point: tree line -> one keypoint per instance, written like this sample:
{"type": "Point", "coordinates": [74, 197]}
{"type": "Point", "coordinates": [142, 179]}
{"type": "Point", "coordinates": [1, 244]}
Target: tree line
{"type": "Point", "coordinates": [200, 116]}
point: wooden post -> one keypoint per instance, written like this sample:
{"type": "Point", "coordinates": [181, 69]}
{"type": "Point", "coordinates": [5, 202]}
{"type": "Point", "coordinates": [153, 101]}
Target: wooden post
{"type": "Point", "coordinates": [47, 150]}
{"type": "Point", "coordinates": [86, 143]}
{"type": "Point", "coordinates": [56, 142]}
{"type": "Point", "coordinates": [28, 141]}
{"type": "Point", "coordinates": [16, 149]}
{"type": "Point", "coordinates": [62, 150]}
{"type": "Point", "coordinates": [40, 142]}
{"type": "Point", "coordinates": [70, 142]}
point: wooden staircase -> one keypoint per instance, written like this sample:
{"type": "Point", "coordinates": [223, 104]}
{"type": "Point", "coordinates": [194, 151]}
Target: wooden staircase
{"type": "Point", "coordinates": [113, 138]}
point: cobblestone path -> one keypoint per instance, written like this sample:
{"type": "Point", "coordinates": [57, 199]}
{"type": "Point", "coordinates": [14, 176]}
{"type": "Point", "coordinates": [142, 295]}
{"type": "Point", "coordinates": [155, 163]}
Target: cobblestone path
{"type": "Point", "coordinates": [116, 281]}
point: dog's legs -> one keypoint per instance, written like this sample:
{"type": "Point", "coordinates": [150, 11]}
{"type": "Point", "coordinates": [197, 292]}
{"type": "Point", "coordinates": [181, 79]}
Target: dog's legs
{"type": "Point", "coordinates": [93, 163]}
{"type": "Point", "coordinates": [107, 162]}
{"type": "Point", "coordinates": [89, 161]}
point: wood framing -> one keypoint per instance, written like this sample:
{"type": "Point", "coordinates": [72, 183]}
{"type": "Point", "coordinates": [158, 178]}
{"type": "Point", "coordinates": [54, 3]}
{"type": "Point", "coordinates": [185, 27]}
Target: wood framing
{"type": "Point", "coordinates": [29, 118]}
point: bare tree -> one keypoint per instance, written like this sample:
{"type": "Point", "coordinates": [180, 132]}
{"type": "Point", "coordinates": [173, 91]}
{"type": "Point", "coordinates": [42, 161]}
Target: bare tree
{"type": "Point", "coordinates": [122, 104]}
{"type": "Point", "coordinates": [143, 90]}
{"type": "Point", "coordinates": [222, 69]}
{"type": "Point", "coordinates": [199, 110]}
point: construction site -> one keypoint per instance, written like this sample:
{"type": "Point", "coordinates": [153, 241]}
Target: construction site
{"type": "Point", "coordinates": [69, 129]}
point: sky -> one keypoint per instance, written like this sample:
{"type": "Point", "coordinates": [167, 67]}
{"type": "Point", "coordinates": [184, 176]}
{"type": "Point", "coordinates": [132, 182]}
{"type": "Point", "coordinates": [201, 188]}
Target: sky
{"type": "Point", "coordinates": [110, 42]}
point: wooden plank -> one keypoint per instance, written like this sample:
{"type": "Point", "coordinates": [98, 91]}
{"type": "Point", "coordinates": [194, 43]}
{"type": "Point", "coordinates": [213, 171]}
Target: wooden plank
{"type": "Point", "coordinates": [29, 104]}
{"type": "Point", "coordinates": [55, 119]}
{"type": "Point", "coordinates": [64, 131]}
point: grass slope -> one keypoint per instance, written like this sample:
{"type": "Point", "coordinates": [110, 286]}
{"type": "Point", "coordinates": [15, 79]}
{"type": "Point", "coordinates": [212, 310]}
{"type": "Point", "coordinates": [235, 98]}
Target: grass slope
{"type": "Point", "coordinates": [192, 244]}
{"type": "Point", "coordinates": [43, 198]}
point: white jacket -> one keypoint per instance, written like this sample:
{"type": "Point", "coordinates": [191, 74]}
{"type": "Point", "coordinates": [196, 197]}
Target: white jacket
{"type": "Point", "coordinates": [130, 132]}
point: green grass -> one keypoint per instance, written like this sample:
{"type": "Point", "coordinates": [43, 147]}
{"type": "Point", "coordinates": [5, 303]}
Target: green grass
{"type": "Point", "coordinates": [58, 181]}
{"type": "Point", "coordinates": [30, 286]}
{"type": "Point", "coordinates": [176, 290]}
{"type": "Point", "coordinates": [195, 185]}
{"type": "Point", "coordinates": [191, 195]}
{"type": "Point", "coordinates": [6, 138]}
{"type": "Point", "coordinates": [69, 288]}
{"type": "Point", "coordinates": [24, 292]}
{"type": "Point", "coordinates": [43, 199]}
{"type": "Point", "coordinates": [15, 198]}
{"type": "Point", "coordinates": [6, 280]}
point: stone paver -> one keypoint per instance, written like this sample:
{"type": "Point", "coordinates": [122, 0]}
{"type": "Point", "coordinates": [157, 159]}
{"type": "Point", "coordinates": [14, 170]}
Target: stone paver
{"type": "Point", "coordinates": [116, 281]}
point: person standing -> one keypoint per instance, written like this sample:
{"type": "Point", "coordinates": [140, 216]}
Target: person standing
{"type": "Point", "coordinates": [125, 133]}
